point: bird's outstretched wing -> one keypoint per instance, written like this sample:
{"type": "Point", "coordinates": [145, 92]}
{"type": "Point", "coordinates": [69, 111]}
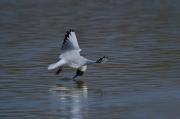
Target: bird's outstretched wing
{"type": "Point", "coordinates": [70, 44]}
{"type": "Point", "coordinates": [102, 60]}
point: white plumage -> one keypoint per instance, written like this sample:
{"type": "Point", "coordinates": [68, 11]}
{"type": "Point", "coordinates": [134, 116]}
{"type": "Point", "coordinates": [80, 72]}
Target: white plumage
{"type": "Point", "coordinates": [70, 55]}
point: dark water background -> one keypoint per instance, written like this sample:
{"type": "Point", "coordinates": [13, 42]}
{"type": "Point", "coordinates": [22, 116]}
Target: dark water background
{"type": "Point", "coordinates": [141, 80]}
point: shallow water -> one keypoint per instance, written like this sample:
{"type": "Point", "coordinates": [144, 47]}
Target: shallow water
{"type": "Point", "coordinates": [140, 81]}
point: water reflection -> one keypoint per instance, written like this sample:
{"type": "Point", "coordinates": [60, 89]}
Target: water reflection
{"type": "Point", "coordinates": [70, 102]}
{"type": "Point", "coordinates": [140, 37]}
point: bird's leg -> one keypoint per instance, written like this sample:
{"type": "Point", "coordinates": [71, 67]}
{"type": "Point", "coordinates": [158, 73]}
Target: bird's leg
{"type": "Point", "coordinates": [59, 70]}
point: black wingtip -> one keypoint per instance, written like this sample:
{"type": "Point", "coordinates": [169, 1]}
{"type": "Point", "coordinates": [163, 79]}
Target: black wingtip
{"type": "Point", "coordinates": [67, 35]}
{"type": "Point", "coordinates": [101, 59]}
{"type": "Point", "coordinates": [71, 30]}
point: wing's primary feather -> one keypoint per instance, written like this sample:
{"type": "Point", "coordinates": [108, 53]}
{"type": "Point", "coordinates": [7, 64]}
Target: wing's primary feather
{"type": "Point", "coordinates": [70, 44]}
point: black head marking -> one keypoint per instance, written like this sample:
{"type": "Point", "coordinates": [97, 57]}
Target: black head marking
{"type": "Point", "coordinates": [79, 73]}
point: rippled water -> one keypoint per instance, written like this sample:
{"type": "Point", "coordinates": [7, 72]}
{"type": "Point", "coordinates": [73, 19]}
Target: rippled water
{"type": "Point", "coordinates": [141, 80]}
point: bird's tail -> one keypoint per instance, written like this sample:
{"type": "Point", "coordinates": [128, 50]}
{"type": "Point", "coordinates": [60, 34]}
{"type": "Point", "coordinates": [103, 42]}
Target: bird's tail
{"type": "Point", "coordinates": [55, 65]}
{"type": "Point", "coordinates": [102, 60]}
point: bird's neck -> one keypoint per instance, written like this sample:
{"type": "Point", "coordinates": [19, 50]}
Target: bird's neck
{"type": "Point", "coordinates": [83, 68]}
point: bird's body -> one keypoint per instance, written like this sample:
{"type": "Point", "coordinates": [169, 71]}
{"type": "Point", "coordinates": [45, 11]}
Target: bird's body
{"type": "Point", "coordinates": [70, 55]}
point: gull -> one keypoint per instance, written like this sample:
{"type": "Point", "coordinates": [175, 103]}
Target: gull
{"type": "Point", "coordinates": [70, 55]}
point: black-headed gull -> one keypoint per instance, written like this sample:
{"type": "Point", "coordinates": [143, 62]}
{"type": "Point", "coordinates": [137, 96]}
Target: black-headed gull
{"type": "Point", "coordinates": [70, 55]}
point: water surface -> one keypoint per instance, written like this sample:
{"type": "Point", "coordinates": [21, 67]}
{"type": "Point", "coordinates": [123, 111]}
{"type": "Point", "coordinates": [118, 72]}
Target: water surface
{"type": "Point", "coordinates": [140, 81]}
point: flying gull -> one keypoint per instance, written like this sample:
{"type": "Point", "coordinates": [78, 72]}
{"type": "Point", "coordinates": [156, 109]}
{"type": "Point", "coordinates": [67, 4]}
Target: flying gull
{"type": "Point", "coordinates": [70, 56]}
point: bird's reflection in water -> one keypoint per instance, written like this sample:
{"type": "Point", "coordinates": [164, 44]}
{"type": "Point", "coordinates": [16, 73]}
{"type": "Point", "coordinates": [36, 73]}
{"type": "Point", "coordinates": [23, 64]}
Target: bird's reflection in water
{"type": "Point", "coordinates": [70, 102]}
{"type": "Point", "coordinates": [80, 84]}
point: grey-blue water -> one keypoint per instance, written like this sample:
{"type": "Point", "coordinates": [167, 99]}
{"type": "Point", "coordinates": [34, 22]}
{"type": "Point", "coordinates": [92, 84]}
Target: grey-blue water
{"type": "Point", "coordinates": [141, 80]}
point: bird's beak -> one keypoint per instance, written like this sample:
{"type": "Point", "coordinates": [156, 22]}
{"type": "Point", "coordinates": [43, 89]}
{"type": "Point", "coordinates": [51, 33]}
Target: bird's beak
{"type": "Point", "coordinates": [74, 77]}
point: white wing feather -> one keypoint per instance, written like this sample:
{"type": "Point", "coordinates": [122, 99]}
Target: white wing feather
{"type": "Point", "coordinates": [70, 45]}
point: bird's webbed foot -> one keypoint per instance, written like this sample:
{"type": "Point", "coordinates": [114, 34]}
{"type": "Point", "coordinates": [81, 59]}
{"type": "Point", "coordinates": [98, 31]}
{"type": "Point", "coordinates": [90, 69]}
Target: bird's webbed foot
{"type": "Point", "coordinates": [59, 70]}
